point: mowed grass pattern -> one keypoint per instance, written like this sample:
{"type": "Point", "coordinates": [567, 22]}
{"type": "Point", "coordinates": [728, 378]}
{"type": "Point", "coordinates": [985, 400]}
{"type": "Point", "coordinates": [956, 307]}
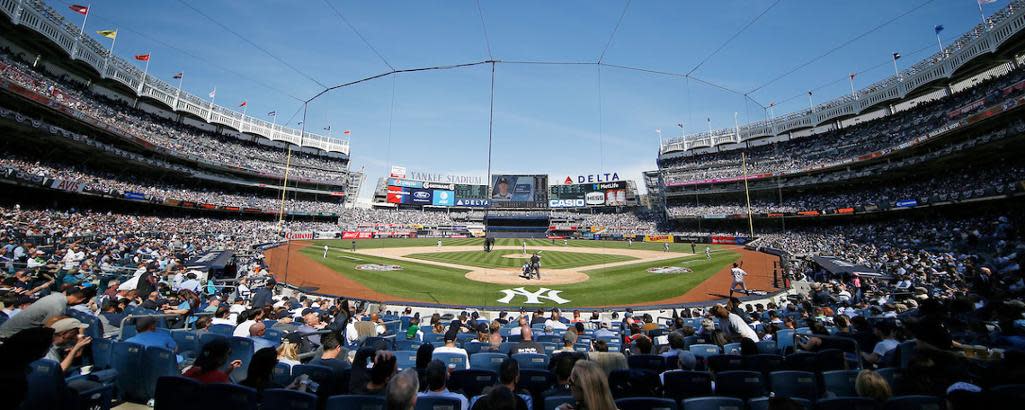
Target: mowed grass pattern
{"type": "Point", "coordinates": [550, 259]}
{"type": "Point", "coordinates": [629, 284]}
{"type": "Point", "coordinates": [577, 243]}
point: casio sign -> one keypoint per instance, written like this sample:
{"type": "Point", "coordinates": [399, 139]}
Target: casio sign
{"type": "Point", "coordinates": [421, 195]}
{"type": "Point", "coordinates": [566, 203]}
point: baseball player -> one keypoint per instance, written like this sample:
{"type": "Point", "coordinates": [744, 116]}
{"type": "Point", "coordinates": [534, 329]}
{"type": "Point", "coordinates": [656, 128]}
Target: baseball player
{"type": "Point", "coordinates": [738, 277]}
{"type": "Point", "coordinates": [708, 253]}
{"type": "Point", "coordinates": [325, 252]}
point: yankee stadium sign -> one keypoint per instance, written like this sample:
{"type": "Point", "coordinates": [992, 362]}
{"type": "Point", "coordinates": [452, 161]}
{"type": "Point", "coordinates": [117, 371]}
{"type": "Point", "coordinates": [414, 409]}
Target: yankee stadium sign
{"type": "Point", "coordinates": [592, 178]}
{"type": "Point", "coordinates": [445, 178]}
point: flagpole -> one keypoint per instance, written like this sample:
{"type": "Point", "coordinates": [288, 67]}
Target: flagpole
{"type": "Point", "coordinates": [982, 14]}
{"type": "Point", "coordinates": [178, 93]}
{"type": "Point", "coordinates": [110, 53]}
{"type": "Point", "coordinates": [747, 194]}
{"type": "Point", "coordinates": [659, 132]}
{"type": "Point", "coordinates": [896, 72]}
{"type": "Point", "coordinates": [736, 127]}
{"type": "Point", "coordinates": [145, 71]}
{"type": "Point", "coordinates": [853, 94]}
{"type": "Point", "coordinates": [811, 105]}
{"type": "Point", "coordinates": [89, 9]}
{"type": "Point", "coordinates": [940, 42]}
{"type": "Point", "coordinates": [210, 111]}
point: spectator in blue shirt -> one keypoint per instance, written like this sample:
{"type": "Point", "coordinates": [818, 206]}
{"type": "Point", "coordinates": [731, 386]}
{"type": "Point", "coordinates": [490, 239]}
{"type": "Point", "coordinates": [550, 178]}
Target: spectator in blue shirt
{"type": "Point", "coordinates": [149, 336]}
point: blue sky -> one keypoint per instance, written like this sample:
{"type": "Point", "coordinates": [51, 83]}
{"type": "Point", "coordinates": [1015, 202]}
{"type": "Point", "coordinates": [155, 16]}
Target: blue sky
{"type": "Point", "coordinates": [548, 118]}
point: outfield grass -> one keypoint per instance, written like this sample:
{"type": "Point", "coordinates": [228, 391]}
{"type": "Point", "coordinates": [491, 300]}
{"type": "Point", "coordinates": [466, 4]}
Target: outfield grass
{"type": "Point", "coordinates": [550, 259]}
{"type": "Point", "coordinates": [627, 284]}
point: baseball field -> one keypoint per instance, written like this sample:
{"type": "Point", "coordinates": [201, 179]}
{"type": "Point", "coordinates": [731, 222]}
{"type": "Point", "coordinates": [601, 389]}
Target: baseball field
{"type": "Point", "coordinates": [575, 273]}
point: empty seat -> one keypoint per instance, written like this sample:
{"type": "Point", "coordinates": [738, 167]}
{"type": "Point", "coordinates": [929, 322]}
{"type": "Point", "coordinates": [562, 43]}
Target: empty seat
{"type": "Point", "coordinates": [222, 329]}
{"type": "Point", "coordinates": [226, 396]}
{"type": "Point", "coordinates": [767, 347]}
{"type": "Point", "coordinates": [913, 403]}
{"type": "Point", "coordinates": [187, 341]}
{"type": "Point", "coordinates": [288, 400]}
{"type": "Point", "coordinates": [846, 403]}
{"type": "Point", "coordinates": [763, 363]}
{"type": "Point", "coordinates": [405, 359]}
{"type": "Point", "coordinates": [634, 383]}
{"type": "Point", "coordinates": [535, 381]}
{"type": "Point", "coordinates": [355, 402]}
{"type": "Point", "coordinates": [724, 362]}
{"type": "Point", "coordinates": [651, 362]}
{"type": "Point", "coordinates": [731, 348]}
{"type": "Point", "coordinates": [438, 403]}
{"type": "Point", "coordinates": [802, 361]}
{"type": "Point", "coordinates": [175, 393]}
{"type": "Point", "coordinates": [487, 361]}
{"type": "Point", "coordinates": [242, 350]}
{"type": "Point", "coordinates": [704, 350]}
{"type": "Point", "coordinates": [126, 359]}
{"type": "Point", "coordinates": [323, 375]}
{"type": "Point", "coordinates": [531, 360]}
{"type": "Point", "coordinates": [645, 403]}
{"type": "Point", "coordinates": [451, 359]}
{"type": "Point", "coordinates": [404, 345]}
{"type": "Point", "coordinates": [713, 403]}
{"type": "Point", "coordinates": [282, 374]}
{"type": "Point", "coordinates": [784, 340]}
{"type": "Point", "coordinates": [740, 383]}
{"type": "Point", "coordinates": [762, 403]}
{"type": "Point", "coordinates": [685, 384]}
{"type": "Point", "coordinates": [157, 362]}
{"type": "Point", "coordinates": [472, 382]}
{"type": "Point", "coordinates": [47, 389]}
{"type": "Point", "coordinates": [102, 351]}
{"type": "Point", "coordinates": [792, 383]}
{"type": "Point", "coordinates": [830, 359]}
{"type": "Point", "coordinates": [840, 382]}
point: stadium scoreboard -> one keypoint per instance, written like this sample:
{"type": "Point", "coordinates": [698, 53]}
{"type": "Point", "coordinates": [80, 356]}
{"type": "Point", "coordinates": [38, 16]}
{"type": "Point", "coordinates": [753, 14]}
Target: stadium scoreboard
{"type": "Point", "coordinates": [612, 193]}
{"type": "Point", "coordinates": [519, 191]}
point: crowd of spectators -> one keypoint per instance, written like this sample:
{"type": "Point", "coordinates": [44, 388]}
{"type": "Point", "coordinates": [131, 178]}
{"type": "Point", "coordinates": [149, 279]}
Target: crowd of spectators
{"type": "Point", "coordinates": [836, 146]}
{"type": "Point", "coordinates": [179, 139]}
{"type": "Point", "coordinates": [995, 179]}
{"type": "Point", "coordinates": [369, 217]}
{"type": "Point", "coordinates": [158, 191]}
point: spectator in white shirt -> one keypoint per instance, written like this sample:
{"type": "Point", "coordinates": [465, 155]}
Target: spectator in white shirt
{"type": "Point", "coordinates": [450, 344]}
{"type": "Point", "coordinates": [436, 377]}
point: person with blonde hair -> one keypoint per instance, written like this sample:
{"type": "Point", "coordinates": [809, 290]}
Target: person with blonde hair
{"type": "Point", "coordinates": [288, 350]}
{"type": "Point", "coordinates": [590, 388]}
{"type": "Point", "coordinates": [872, 385]}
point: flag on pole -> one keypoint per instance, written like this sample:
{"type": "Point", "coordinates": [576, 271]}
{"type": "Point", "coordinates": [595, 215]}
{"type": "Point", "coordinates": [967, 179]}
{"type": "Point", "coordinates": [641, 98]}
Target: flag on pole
{"type": "Point", "coordinates": [111, 34]}
{"type": "Point", "coordinates": [142, 57]}
{"type": "Point", "coordinates": [896, 56]}
{"type": "Point", "coordinates": [938, 28]}
{"type": "Point", "coordinates": [852, 75]}
{"type": "Point", "coordinates": [679, 124]}
{"type": "Point", "coordinates": [80, 9]}
{"type": "Point", "coordinates": [179, 75]}
{"type": "Point", "coordinates": [658, 130]}
{"type": "Point", "coordinates": [213, 93]}
{"type": "Point", "coordinates": [244, 103]}
{"type": "Point", "coordinates": [347, 132]}
{"type": "Point", "coordinates": [327, 128]}
{"type": "Point", "coordinates": [809, 92]}
{"type": "Point", "coordinates": [272, 113]}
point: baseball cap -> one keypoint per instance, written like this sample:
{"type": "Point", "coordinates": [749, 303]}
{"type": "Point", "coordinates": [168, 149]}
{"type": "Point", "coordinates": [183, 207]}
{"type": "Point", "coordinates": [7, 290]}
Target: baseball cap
{"type": "Point", "coordinates": [67, 324]}
{"type": "Point", "coordinates": [569, 338]}
{"type": "Point", "coordinates": [451, 333]}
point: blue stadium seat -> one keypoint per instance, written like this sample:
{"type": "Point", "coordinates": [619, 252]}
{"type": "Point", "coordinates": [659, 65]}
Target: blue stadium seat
{"type": "Point", "coordinates": [274, 335]}
{"type": "Point", "coordinates": [634, 383]}
{"type": "Point", "coordinates": [412, 344]}
{"type": "Point", "coordinates": [549, 339]}
{"type": "Point", "coordinates": [355, 402]}
{"type": "Point", "coordinates": [102, 351]}
{"type": "Point", "coordinates": [1009, 392]}
{"type": "Point", "coordinates": [156, 363]}
{"type": "Point", "coordinates": [731, 348]}
{"type": "Point", "coordinates": [126, 359]}
{"type": "Point", "coordinates": [550, 348]}
{"type": "Point", "coordinates": [487, 361]}
{"type": "Point", "coordinates": [187, 341]}
{"type": "Point", "coordinates": [794, 384]}
{"type": "Point", "coordinates": [740, 383]}
{"type": "Point", "coordinates": [905, 351]}
{"type": "Point", "coordinates": [651, 362]}
{"type": "Point", "coordinates": [536, 381]}
{"type": "Point", "coordinates": [451, 359]}
{"type": "Point", "coordinates": [47, 389]}
{"type": "Point", "coordinates": [713, 403]}
{"type": "Point", "coordinates": [405, 359]}
{"type": "Point", "coordinates": [724, 362]}
{"type": "Point", "coordinates": [847, 403]}
{"type": "Point", "coordinates": [552, 402]}
{"type": "Point", "coordinates": [914, 403]}
{"type": "Point", "coordinates": [784, 340]}
{"type": "Point", "coordinates": [685, 384]}
{"type": "Point", "coordinates": [241, 349]}
{"type": "Point", "coordinates": [802, 361]}
{"type": "Point", "coordinates": [531, 360]}
{"type": "Point", "coordinates": [282, 374]}
{"type": "Point", "coordinates": [323, 375]}
{"type": "Point", "coordinates": [830, 359]}
{"type": "Point", "coordinates": [222, 329]}
{"type": "Point", "coordinates": [506, 347]}
{"type": "Point", "coordinates": [704, 350]}
{"type": "Point", "coordinates": [645, 403]}
{"type": "Point", "coordinates": [226, 396]}
{"type": "Point", "coordinates": [767, 347]}
{"type": "Point", "coordinates": [176, 393]}
{"type": "Point", "coordinates": [438, 403]}
{"type": "Point", "coordinates": [840, 382]}
{"type": "Point", "coordinates": [888, 373]}
{"type": "Point", "coordinates": [432, 337]}
{"type": "Point", "coordinates": [762, 403]}
{"type": "Point", "coordinates": [472, 382]}
{"type": "Point", "coordinates": [288, 400]}
{"type": "Point", "coordinates": [209, 337]}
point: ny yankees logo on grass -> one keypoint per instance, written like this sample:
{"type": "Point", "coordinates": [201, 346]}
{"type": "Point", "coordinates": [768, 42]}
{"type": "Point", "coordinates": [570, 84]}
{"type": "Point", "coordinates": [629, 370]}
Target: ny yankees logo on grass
{"type": "Point", "coordinates": [533, 298]}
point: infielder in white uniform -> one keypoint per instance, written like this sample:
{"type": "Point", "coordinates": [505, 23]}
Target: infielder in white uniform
{"type": "Point", "coordinates": [325, 252]}
{"type": "Point", "coordinates": [738, 277]}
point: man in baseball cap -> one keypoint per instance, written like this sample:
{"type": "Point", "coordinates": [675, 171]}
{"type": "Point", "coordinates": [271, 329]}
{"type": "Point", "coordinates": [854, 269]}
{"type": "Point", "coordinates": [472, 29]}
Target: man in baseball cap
{"type": "Point", "coordinates": [67, 332]}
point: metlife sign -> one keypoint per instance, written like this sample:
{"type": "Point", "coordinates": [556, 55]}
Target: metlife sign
{"type": "Point", "coordinates": [473, 203]}
{"type": "Point", "coordinates": [566, 203]}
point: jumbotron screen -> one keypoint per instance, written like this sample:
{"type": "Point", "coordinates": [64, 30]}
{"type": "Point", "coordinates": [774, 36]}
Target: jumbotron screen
{"type": "Point", "coordinates": [519, 191]}
{"type": "Point", "coordinates": [584, 195]}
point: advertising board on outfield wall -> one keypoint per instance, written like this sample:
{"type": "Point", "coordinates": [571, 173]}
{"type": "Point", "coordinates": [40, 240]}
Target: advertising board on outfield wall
{"type": "Point", "coordinates": [659, 238]}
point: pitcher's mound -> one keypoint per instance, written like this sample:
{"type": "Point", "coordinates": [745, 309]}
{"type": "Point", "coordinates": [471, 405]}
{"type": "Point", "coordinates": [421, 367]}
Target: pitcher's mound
{"type": "Point", "coordinates": [512, 277]}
